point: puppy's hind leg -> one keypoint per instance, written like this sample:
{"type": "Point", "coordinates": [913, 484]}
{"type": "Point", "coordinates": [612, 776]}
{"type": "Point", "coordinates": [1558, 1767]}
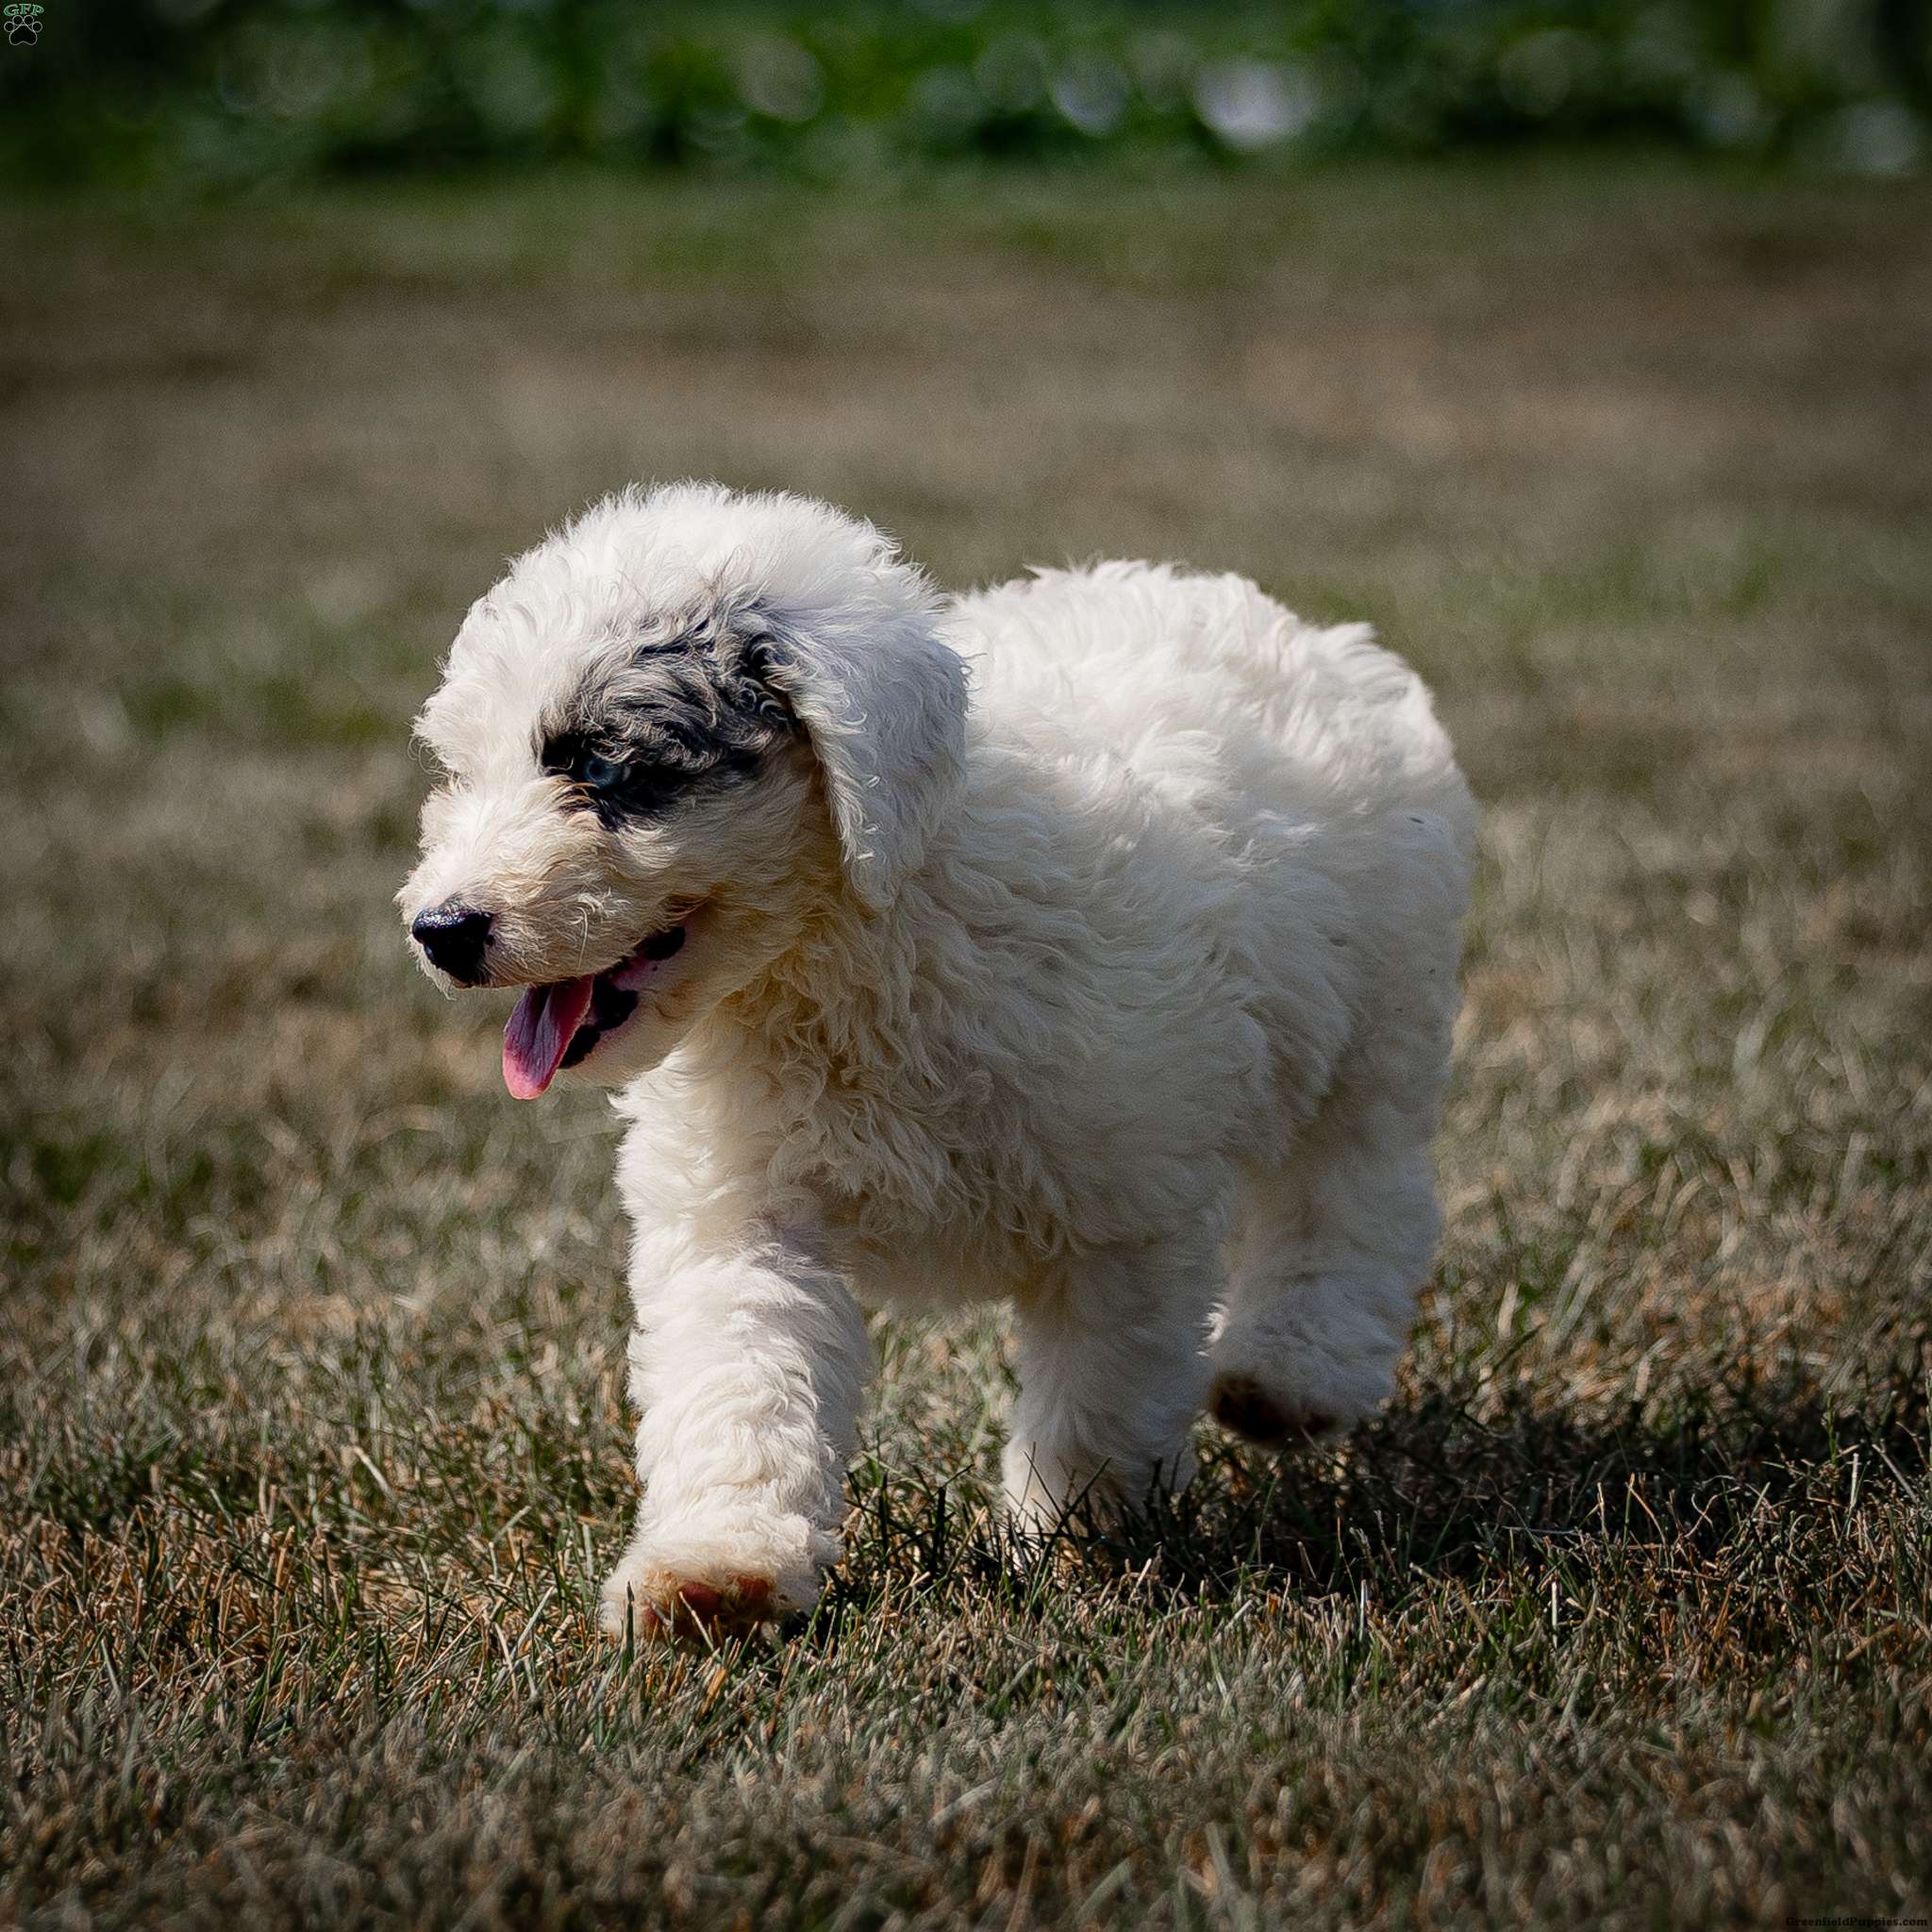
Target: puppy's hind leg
{"type": "Point", "coordinates": [1331, 1249]}
{"type": "Point", "coordinates": [1112, 1371]}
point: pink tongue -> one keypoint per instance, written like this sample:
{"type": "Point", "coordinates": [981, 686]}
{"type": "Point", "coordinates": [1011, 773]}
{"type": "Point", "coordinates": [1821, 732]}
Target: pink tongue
{"type": "Point", "coordinates": [538, 1034]}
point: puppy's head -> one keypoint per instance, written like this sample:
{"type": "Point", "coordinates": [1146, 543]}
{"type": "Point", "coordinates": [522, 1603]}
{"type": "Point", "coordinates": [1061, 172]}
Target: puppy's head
{"type": "Point", "coordinates": [664, 735]}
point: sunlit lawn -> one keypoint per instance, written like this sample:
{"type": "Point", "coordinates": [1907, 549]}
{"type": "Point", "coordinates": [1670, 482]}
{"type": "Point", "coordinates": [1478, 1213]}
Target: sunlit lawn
{"type": "Point", "coordinates": [312, 1443]}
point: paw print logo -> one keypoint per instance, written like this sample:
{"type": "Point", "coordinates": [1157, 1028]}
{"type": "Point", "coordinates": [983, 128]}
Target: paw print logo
{"type": "Point", "coordinates": [22, 23]}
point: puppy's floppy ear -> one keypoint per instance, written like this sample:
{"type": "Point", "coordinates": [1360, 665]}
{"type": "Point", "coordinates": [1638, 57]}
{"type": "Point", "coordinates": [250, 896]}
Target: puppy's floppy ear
{"type": "Point", "coordinates": [884, 705]}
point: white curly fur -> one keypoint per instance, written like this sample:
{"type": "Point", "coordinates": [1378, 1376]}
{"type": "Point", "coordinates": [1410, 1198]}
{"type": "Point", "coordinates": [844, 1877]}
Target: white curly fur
{"type": "Point", "coordinates": [1122, 990]}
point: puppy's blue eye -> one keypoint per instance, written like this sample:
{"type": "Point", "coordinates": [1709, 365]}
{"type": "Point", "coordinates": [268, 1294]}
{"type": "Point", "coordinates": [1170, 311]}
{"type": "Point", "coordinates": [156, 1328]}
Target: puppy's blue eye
{"type": "Point", "coordinates": [601, 774]}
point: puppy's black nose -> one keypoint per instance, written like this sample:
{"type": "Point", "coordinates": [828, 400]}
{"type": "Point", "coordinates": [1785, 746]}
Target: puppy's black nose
{"type": "Point", "coordinates": [456, 938]}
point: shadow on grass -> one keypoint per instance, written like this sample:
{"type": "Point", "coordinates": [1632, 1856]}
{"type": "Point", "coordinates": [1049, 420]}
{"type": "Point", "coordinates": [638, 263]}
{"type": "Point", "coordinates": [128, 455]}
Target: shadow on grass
{"type": "Point", "coordinates": [1747, 1481]}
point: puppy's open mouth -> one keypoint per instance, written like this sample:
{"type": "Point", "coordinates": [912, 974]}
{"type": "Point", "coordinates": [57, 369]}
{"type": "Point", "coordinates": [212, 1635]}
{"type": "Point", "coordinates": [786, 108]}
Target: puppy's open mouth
{"type": "Point", "coordinates": [559, 1024]}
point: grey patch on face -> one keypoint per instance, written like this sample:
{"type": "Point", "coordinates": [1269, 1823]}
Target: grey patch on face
{"type": "Point", "coordinates": [662, 721]}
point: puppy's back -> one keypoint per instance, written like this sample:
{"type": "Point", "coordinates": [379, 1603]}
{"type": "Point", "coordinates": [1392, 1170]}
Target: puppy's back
{"type": "Point", "coordinates": [1207, 680]}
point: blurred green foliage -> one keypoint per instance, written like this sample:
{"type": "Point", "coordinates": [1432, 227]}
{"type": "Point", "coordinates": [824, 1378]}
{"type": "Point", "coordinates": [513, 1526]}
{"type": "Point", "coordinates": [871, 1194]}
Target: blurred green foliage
{"type": "Point", "coordinates": [218, 90]}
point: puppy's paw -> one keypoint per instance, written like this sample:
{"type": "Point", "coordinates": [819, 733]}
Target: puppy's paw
{"type": "Point", "coordinates": [1282, 1379]}
{"type": "Point", "coordinates": [1272, 1418]}
{"type": "Point", "coordinates": [725, 1588]}
{"type": "Point", "coordinates": [684, 1607]}
{"type": "Point", "coordinates": [1048, 1494]}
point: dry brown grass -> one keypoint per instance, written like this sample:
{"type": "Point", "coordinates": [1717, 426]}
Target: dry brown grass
{"type": "Point", "coordinates": [311, 1443]}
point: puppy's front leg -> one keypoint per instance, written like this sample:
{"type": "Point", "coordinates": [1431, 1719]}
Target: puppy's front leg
{"type": "Point", "coordinates": [748, 1366]}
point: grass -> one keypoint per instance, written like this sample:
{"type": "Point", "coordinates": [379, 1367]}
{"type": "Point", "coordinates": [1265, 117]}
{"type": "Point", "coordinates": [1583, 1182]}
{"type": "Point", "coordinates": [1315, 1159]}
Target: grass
{"type": "Point", "coordinates": [312, 1443]}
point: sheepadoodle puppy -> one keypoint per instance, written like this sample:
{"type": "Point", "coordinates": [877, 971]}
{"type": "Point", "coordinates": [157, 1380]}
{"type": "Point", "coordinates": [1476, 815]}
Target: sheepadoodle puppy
{"type": "Point", "coordinates": [1089, 941]}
